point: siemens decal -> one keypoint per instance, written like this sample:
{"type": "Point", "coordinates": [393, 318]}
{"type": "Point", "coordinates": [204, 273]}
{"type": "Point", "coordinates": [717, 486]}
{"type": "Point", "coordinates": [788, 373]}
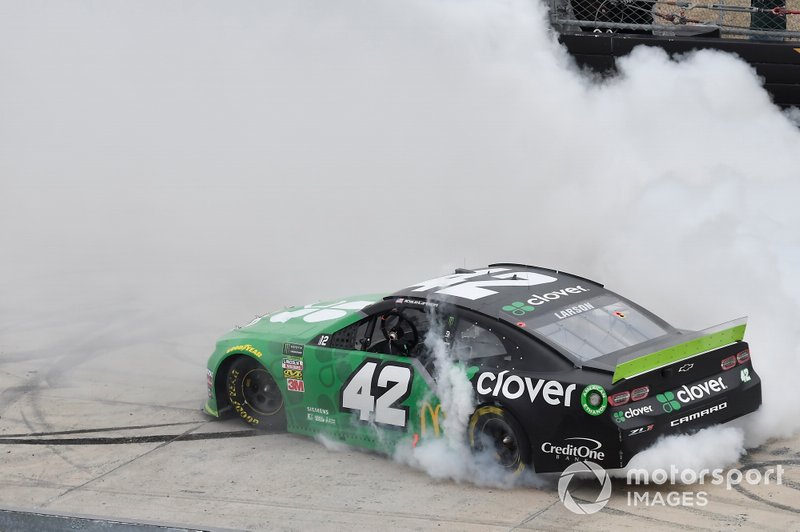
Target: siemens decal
{"type": "Point", "coordinates": [537, 299]}
{"type": "Point", "coordinates": [697, 415]}
{"type": "Point", "coordinates": [689, 393]}
{"type": "Point", "coordinates": [514, 386]}
{"type": "Point", "coordinates": [590, 451]}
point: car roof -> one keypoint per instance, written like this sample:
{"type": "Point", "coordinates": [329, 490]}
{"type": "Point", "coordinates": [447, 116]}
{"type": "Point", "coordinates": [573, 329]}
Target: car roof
{"type": "Point", "coordinates": [501, 290]}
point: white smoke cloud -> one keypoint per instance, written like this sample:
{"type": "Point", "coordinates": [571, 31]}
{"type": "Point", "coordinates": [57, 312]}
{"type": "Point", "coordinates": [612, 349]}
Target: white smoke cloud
{"type": "Point", "coordinates": [193, 165]}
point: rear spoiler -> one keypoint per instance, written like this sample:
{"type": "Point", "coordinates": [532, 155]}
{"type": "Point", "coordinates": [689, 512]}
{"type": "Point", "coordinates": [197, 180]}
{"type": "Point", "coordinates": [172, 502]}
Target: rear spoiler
{"type": "Point", "coordinates": [700, 342]}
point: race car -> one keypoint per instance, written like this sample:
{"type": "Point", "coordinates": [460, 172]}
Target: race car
{"type": "Point", "coordinates": [562, 369]}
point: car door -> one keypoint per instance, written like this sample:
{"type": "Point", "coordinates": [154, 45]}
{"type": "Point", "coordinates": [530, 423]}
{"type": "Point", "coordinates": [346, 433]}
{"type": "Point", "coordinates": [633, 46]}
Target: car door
{"type": "Point", "coordinates": [361, 389]}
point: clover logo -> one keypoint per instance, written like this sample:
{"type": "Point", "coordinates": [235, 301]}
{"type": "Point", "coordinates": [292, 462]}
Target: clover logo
{"type": "Point", "coordinates": [668, 402]}
{"type": "Point", "coordinates": [619, 417]}
{"type": "Point", "coordinates": [319, 312]}
{"type": "Point", "coordinates": [518, 308]}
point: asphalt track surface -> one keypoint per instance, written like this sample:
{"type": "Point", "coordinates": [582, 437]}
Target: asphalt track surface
{"type": "Point", "coordinates": [111, 428]}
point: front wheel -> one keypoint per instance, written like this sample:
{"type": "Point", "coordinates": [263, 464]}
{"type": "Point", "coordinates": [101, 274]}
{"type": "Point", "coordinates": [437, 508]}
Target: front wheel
{"type": "Point", "coordinates": [254, 395]}
{"type": "Point", "coordinates": [492, 428]}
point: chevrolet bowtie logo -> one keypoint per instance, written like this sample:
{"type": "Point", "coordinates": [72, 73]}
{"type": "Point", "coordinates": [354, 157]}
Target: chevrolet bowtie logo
{"type": "Point", "coordinates": [686, 367]}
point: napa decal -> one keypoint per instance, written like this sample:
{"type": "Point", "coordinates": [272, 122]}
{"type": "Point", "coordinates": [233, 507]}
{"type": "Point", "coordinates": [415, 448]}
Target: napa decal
{"type": "Point", "coordinates": [513, 387]}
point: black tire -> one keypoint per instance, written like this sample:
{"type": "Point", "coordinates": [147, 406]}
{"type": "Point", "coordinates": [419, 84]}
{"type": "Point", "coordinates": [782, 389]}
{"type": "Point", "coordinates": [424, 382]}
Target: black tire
{"type": "Point", "coordinates": [491, 427]}
{"type": "Point", "coordinates": [254, 395]}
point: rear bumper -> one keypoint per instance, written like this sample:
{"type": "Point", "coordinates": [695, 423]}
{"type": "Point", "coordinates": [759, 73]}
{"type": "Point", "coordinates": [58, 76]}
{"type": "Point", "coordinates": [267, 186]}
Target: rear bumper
{"type": "Point", "coordinates": [741, 395]}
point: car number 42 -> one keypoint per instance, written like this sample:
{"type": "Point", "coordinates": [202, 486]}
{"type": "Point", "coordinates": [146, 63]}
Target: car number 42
{"type": "Point", "coordinates": [375, 391]}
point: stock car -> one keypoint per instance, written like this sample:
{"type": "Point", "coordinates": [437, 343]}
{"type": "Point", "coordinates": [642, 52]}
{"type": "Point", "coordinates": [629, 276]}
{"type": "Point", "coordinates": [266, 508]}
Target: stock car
{"type": "Point", "coordinates": [563, 369]}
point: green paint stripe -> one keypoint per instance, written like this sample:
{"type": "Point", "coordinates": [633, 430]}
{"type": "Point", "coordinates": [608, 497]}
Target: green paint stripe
{"type": "Point", "coordinates": [678, 352]}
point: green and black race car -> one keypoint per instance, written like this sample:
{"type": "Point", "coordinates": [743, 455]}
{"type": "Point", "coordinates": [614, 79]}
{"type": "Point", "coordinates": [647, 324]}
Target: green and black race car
{"type": "Point", "coordinates": [562, 369]}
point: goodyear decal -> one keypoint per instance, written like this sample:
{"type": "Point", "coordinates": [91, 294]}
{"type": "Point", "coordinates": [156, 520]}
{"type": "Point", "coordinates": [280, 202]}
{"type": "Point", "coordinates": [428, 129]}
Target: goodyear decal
{"type": "Point", "coordinates": [246, 348]}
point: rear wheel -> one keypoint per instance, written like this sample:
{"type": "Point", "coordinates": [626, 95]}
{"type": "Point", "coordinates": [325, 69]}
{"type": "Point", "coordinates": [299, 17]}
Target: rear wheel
{"type": "Point", "coordinates": [254, 395]}
{"type": "Point", "coordinates": [492, 428]}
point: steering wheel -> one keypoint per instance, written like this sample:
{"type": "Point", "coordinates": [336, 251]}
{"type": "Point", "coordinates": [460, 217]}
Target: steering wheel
{"type": "Point", "coordinates": [399, 331]}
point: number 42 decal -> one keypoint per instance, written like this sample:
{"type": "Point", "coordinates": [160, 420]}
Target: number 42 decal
{"type": "Point", "coordinates": [378, 388]}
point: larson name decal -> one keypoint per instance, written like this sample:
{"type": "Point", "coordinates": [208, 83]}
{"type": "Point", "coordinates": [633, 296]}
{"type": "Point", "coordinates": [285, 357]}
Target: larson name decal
{"type": "Point", "coordinates": [571, 311]}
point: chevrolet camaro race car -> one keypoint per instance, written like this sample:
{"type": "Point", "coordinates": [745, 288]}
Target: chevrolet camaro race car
{"type": "Point", "coordinates": [562, 369]}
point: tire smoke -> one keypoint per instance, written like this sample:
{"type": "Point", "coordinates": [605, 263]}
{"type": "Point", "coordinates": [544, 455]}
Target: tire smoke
{"type": "Point", "coordinates": [169, 170]}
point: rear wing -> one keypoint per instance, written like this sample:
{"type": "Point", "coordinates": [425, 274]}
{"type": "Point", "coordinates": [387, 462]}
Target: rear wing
{"type": "Point", "coordinates": [696, 344]}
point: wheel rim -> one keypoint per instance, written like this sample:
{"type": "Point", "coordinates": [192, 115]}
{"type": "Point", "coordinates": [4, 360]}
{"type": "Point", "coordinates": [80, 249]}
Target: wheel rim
{"type": "Point", "coordinates": [261, 392]}
{"type": "Point", "coordinates": [504, 441]}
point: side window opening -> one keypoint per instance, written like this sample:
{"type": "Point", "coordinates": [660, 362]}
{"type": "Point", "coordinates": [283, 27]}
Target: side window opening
{"type": "Point", "coordinates": [354, 337]}
{"type": "Point", "coordinates": [473, 341]}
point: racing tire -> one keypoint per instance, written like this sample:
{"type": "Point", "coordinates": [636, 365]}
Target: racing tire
{"type": "Point", "coordinates": [492, 427]}
{"type": "Point", "coordinates": [254, 395]}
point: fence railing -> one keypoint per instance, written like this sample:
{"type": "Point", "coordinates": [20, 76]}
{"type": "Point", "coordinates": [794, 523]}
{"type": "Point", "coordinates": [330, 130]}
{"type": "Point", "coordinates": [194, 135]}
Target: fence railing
{"type": "Point", "coordinates": [774, 20]}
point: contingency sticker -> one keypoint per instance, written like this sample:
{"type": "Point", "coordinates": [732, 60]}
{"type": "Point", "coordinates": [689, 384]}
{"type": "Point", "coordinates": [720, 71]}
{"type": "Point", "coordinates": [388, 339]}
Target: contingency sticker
{"type": "Point", "coordinates": [293, 350]}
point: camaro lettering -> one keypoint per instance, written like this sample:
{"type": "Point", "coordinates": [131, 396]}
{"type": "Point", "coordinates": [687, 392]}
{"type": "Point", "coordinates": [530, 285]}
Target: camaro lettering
{"type": "Point", "coordinates": [697, 415]}
{"type": "Point", "coordinates": [537, 299]}
{"type": "Point", "coordinates": [513, 387]}
{"type": "Point", "coordinates": [571, 311]}
{"type": "Point", "coordinates": [589, 451]}
{"type": "Point", "coordinates": [698, 391]}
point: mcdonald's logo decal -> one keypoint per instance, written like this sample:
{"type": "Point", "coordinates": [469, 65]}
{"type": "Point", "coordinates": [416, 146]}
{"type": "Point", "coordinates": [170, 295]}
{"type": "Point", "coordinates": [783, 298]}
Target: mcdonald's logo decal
{"type": "Point", "coordinates": [433, 413]}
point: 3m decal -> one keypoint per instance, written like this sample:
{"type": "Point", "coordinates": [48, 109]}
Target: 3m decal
{"type": "Point", "coordinates": [375, 391]}
{"type": "Point", "coordinates": [594, 399]}
{"type": "Point", "coordinates": [513, 387]}
{"type": "Point", "coordinates": [577, 451]}
{"type": "Point", "coordinates": [631, 413]}
{"type": "Point", "coordinates": [317, 313]}
{"type": "Point", "coordinates": [697, 415]}
{"type": "Point", "coordinates": [246, 348]}
{"type": "Point", "coordinates": [293, 350]}
{"type": "Point", "coordinates": [459, 284]}
{"type": "Point", "coordinates": [295, 385]}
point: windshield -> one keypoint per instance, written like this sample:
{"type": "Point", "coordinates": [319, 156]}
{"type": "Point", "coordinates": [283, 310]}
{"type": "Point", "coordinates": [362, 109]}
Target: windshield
{"type": "Point", "coordinates": [597, 327]}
